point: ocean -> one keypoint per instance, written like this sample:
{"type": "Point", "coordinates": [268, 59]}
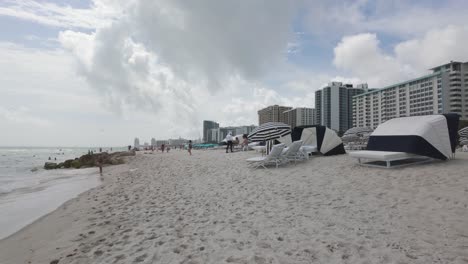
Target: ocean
{"type": "Point", "coordinates": [27, 191]}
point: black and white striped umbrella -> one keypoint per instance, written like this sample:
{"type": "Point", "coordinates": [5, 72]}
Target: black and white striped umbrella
{"type": "Point", "coordinates": [269, 131]}
{"type": "Point", "coordinates": [463, 141]}
{"type": "Point", "coordinates": [463, 132]}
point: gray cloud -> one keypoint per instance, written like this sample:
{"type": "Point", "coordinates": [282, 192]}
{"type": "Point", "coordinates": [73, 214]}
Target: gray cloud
{"type": "Point", "coordinates": [215, 39]}
{"type": "Point", "coordinates": [166, 57]}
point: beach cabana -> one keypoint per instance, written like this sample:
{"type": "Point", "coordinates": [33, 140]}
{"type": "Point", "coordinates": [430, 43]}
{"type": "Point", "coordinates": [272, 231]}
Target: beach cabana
{"type": "Point", "coordinates": [431, 136]}
{"type": "Point", "coordinates": [406, 138]}
{"type": "Point", "coordinates": [326, 140]}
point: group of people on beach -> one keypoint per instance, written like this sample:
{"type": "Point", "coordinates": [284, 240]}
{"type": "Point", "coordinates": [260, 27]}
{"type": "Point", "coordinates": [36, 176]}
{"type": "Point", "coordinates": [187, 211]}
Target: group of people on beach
{"type": "Point", "coordinates": [167, 148]}
{"type": "Point", "coordinates": [230, 140]}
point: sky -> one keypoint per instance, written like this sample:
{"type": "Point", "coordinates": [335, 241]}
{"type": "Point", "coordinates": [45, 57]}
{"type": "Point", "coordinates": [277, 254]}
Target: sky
{"type": "Point", "coordinates": [102, 72]}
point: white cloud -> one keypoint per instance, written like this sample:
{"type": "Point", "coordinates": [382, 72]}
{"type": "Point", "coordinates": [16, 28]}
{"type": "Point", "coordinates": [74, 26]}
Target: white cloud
{"type": "Point", "coordinates": [51, 14]}
{"type": "Point", "coordinates": [437, 46]}
{"type": "Point", "coordinates": [170, 57]}
{"type": "Point", "coordinates": [360, 55]}
{"type": "Point", "coordinates": [166, 65]}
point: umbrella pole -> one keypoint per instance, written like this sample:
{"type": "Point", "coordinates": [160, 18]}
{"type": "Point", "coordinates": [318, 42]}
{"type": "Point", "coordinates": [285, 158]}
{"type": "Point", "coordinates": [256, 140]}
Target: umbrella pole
{"type": "Point", "coordinates": [269, 146]}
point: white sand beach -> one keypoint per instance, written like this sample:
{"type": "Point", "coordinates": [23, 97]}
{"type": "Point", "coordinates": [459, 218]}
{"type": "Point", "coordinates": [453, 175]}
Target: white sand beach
{"type": "Point", "coordinates": [210, 208]}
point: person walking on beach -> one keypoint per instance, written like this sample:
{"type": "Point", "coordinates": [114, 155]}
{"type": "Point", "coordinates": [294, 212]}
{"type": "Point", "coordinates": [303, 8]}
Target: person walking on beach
{"type": "Point", "coordinates": [245, 143]}
{"type": "Point", "coordinates": [190, 147]}
{"type": "Point", "coordinates": [162, 148]}
{"type": "Point", "coordinates": [229, 142]}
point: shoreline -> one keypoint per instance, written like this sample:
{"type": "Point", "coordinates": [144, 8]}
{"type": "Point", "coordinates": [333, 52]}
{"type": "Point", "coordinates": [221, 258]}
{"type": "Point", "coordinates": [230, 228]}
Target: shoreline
{"type": "Point", "coordinates": [208, 208]}
{"type": "Point", "coordinates": [23, 206]}
{"type": "Point", "coordinates": [43, 217]}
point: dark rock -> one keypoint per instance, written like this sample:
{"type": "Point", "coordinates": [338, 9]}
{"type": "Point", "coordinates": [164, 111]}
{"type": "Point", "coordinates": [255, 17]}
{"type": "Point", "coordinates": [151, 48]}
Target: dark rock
{"type": "Point", "coordinates": [55, 261]}
{"type": "Point", "coordinates": [76, 164]}
{"type": "Point", "coordinates": [50, 165]}
{"type": "Point", "coordinates": [97, 159]}
{"type": "Point", "coordinates": [60, 165]}
{"type": "Point", "coordinates": [67, 163]}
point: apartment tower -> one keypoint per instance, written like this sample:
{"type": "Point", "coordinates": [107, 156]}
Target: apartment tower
{"type": "Point", "coordinates": [334, 105]}
{"type": "Point", "coordinates": [445, 90]}
{"type": "Point", "coordinates": [300, 116]}
{"type": "Point", "coordinates": [273, 113]}
{"type": "Point", "coordinates": [207, 128]}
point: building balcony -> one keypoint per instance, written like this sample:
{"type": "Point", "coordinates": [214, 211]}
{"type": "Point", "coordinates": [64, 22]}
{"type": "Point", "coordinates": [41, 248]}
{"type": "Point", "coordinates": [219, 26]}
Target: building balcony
{"type": "Point", "coordinates": [455, 105]}
{"type": "Point", "coordinates": [456, 110]}
{"type": "Point", "coordinates": [455, 81]}
{"type": "Point", "coordinates": [455, 93]}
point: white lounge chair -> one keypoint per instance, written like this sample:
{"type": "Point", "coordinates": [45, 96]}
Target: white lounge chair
{"type": "Point", "coordinates": [273, 158]}
{"type": "Point", "coordinates": [387, 157]}
{"type": "Point", "coordinates": [293, 153]}
{"type": "Point", "coordinates": [307, 150]}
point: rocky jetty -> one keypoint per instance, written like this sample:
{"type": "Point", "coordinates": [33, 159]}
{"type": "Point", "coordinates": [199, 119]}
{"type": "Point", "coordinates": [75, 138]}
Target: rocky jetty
{"type": "Point", "coordinates": [91, 160]}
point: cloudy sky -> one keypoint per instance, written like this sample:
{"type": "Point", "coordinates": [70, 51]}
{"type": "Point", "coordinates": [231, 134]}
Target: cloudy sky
{"type": "Point", "coordinates": [101, 72]}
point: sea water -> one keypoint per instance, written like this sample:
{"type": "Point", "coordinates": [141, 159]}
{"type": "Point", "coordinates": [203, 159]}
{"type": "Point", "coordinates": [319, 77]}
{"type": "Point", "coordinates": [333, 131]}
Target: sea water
{"type": "Point", "coordinates": [27, 191]}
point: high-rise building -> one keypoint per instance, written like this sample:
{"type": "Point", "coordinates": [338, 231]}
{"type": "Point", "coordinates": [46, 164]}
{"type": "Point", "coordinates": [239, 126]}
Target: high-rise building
{"type": "Point", "coordinates": [153, 142]}
{"type": "Point", "coordinates": [318, 107]}
{"type": "Point", "coordinates": [244, 129]}
{"type": "Point", "coordinates": [444, 90]}
{"type": "Point", "coordinates": [207, 127]}
{"type": "Point", "coordinates": [333, 105]}
{"type": "Point", "coordinates": [300, 116]}
{"type": "Point", "coordinates": [160, 142]}
{"type": "Point", "coordinates": [234, 130]}
{"type": "Point", "coordinates": [136, 143]}
{"type": "Point", "coordinates": [273, 113]}
{"type": "Point", "coordinates": [217, 134]}
{"type": "Point", "coordinates": [177, 141]}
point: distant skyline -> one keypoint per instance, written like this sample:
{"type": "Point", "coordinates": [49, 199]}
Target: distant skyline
{"type": "Point", "coordinates": [92, 73]}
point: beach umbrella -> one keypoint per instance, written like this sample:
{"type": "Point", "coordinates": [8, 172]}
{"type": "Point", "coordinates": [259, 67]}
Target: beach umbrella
{"type": "Point", "coordinates": [463, 141]}
{"type": "Point", "coordinates": [463, 132]}
{"type": "Point", "coordinates": [269, 131]}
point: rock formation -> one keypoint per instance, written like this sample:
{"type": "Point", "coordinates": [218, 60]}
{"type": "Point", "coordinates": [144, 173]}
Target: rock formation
{"type": "Point", "coordinates": [91, 160]}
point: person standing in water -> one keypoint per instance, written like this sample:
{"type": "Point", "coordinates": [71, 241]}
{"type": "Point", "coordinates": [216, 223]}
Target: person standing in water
{"type": "Point", "coordinates": [190, 147]}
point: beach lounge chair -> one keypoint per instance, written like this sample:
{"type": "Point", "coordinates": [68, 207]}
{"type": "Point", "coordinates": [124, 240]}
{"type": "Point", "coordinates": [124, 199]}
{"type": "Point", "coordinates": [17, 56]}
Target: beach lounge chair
{"type": "Point", "coordinates": [376, 158]}
{"type": "Point", "coordinates": [293, 153]}
{"type": "Point", "coordinates": [273, 158]}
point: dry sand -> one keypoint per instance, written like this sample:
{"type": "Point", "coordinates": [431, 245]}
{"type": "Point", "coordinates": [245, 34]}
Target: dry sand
{"type": "Point", "coordinates": [210, 208]}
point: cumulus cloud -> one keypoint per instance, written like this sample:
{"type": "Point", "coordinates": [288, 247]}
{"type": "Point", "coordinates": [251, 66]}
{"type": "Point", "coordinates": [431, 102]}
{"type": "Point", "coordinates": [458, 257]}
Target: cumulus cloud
{"type": "Point", "coordinates": [436, 47]}
{"type": "Point", "coordinates": [172, 63]}
{"type": "Point", "coordinates": [165, 56]}
{"type": "Point", "coordinates": [360, 55]}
